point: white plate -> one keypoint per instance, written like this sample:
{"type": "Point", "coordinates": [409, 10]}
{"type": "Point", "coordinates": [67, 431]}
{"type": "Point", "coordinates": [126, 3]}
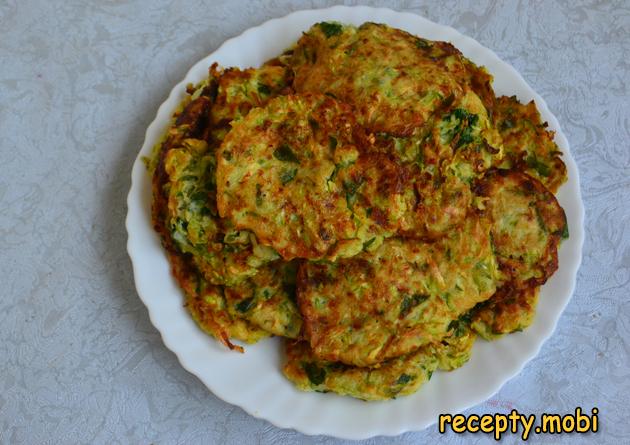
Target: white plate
{"type": "Point", "coordinates": [253, 380]}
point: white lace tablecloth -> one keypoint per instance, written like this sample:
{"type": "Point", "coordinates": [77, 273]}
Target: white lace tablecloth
{"type": "Point", "coordinates": [79, 83]}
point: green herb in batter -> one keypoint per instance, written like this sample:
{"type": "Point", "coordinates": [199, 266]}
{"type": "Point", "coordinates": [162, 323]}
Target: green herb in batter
{"type": "Point", "coordinates": [404, 379]}
{"type": "Point", "coordinates": [541, 168]}
{"type": "Point", "coordinates": [369, 242]}
{"type": "Point", "coordinates": [409, 302]}
{"type": "Point", "coordinates": [351, 189]}
{"type": "Point", "coordinates": [245, 305]}
{"type": "Point", "coordinates": [330, 29]}
{"type": "Point", "coordinates": [315, 374]}
{"type": "Point", "coordinates": [287, 175]}
{"type": "Point", "coordinates": [285, 154]}
{"type": "Point", "coordinates": [459, 325]}
{"type": "Point", "coordinates": [421, 43]}
{"type": "Point", "coordinates": [259, 197]}
{"type": "Point", "coordinates": [507, 124]}
{"type": "Point", "coordinates": [264, 89]}
{"type": "Point", "coordinates": [332, 142]}
{"type": "Point", "coordinates": [462, 128]}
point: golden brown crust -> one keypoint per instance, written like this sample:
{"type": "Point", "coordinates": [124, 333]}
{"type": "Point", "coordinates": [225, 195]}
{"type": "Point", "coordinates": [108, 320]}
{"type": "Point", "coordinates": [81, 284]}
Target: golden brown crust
{"type": "Point", "coordinates": [395, 298]}
{"type": "Point", "coordinates": [394, 80]}
{"type": "Point", "coordinates": [396, 377]}
{"type": "Point", "coordinates": [529, 146]}
{"type": "Point", "coordinates": [528, 224]}
{"type": "Point", "coordinates": [191, 122]}
{"type": "Point", "coordinates": [273, 170]}
{"type": "Point", "coordinates": [203, 300]}
{"type": "Point", "coordinates": [235, 92]}
{"type": "Point", "coordinates": [508, 310]}
{"type": "Point", "coordinates": [374, 156]}
{"type": "Point", "coordinates": [267, 300]}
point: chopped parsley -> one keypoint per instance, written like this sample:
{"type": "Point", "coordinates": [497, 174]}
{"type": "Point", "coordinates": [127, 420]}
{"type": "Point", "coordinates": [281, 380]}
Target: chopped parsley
{"type": "Point", "coordinates": [369, 242]}
{"type": "Point", "coordinates": [461, 125]}
{"type": "Point", "coordinates": [313, 123]}
{"type": "Point", "coordinates": [507, 124]}
{"type": "Point", "coordinates": [330, 29]}
{"type": "Point", "coordinates": [421, 43]}
{"type": "Point", "coordinates": [245, 305]}
{"type": "Point", "coordinates": [541, 168]}
{"type": "Point", "coordinates": [287, 175]}
{"type": "Point", "coordinates": [315, 374]}
{"type": "Point", "coordinates": [404, 379]}
{"type": "Point", "coordinates": [351, 189]}
{"type": "Point", "coordinates": [459, 325]}
{"type": "Point", "coordinates": [264, 89]}
{"type": "Point", "coordinates": [332, 142]}
{"type": "Point", "coordinates": [409, 302]}
{"type": "Point", "coordinates": [285, 154]}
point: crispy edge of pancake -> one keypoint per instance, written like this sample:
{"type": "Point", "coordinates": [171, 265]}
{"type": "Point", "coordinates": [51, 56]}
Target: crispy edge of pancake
{"type": "Point", "coordinates": [267, 300]}
{"type": "Point", "coordinates": [454, 350]}
{"type": "Point", "coordinates": [397, 377]}
{"type": "Point", "coordinates": [207, 305]}
{"type": "Point", "coordinates": [230, 256]}
{"type": "Point", "coordinates": [222, 255]}
{"type": "Point", "coordinates": [548, 216]}
{"type": "Point", "coordinates": [509, 310]}
{"type": "Point", "coordinates": [529, 146]}
{"type": "Point", "coordinates": [190, 121]}
{"type": "Point", "coordinates": [237, 91]}
{"type": "Point", "coordinates": [480, 81]}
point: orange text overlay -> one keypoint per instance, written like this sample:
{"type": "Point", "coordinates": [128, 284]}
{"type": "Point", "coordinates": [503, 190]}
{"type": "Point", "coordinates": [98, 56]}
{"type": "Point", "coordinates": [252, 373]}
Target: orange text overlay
{"type": "Point", "coordinates": [515, 422]}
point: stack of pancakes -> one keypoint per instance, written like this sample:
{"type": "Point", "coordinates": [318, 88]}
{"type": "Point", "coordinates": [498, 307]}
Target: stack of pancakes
{"type": "Point", "coordinates": [365, 195]}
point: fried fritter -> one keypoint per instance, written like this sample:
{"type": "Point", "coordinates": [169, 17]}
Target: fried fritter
{"type": "Point", "coordinates": [529, 146]}
{"type": "Point", "coordinates": [204, 301]}
{"type": "Point", "coordinates": [274, 170]}
{"type": "Point", "coordinates": [223, 255]}
{"type": "Point", "coordinates": [235, 92]}
{"type": "Point", "coordinates": [527, 226]}
{"type": "Point", "coordinates": [188, 179]}
{"type": "Point", "coordinates": [395, 298]}
{"type": "Point", "coordinates": [202, 248]}
{"type": "Point", "coordinates": [397, 377]}
{"type": "Point", "coordinates": [291, 173]}
{"type": "Point", "coordinates": [443, 159]}
{"type": "Point", "coordinates": [508, 310]}
{"type": "Point", "coordinates": [394, 80]}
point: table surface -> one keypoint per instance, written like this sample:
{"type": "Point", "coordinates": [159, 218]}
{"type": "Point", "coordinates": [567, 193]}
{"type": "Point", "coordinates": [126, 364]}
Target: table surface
{"type": "Point", "coordinates": [80, 81]}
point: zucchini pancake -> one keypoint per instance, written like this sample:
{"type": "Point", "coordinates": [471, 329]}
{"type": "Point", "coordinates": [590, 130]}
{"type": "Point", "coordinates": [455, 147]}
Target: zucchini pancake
{"type": "Point", "coordinates": [365, 195]}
